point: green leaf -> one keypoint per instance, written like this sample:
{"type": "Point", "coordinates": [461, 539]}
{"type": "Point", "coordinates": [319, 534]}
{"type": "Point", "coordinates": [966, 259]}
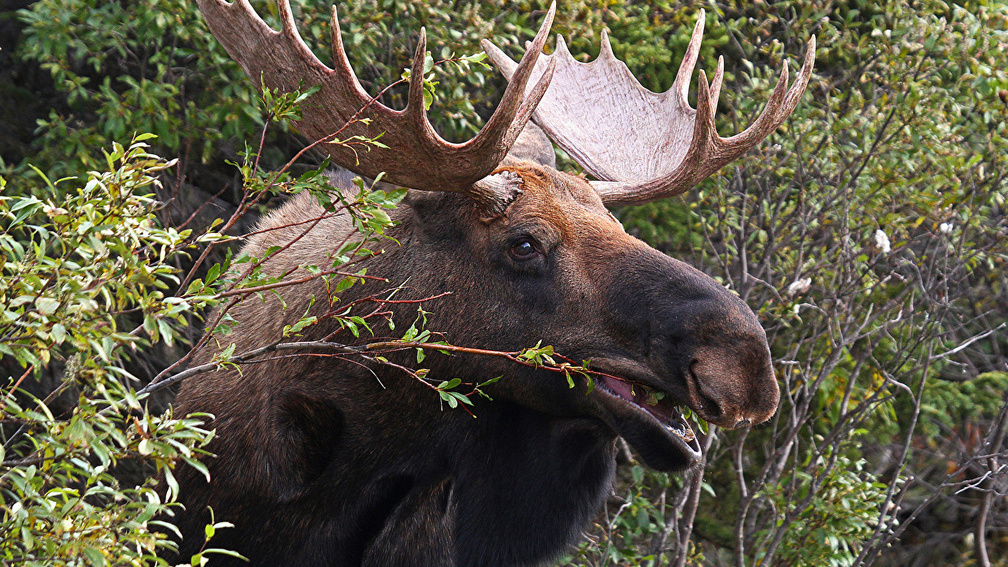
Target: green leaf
{"type": "Point", "coordinates": [226, 552]}
{"type": "Point", "coordinates": [94, 557]}
{"type": "Point", "coordinates": [290, 330]}
{"type": "Point", "coordinates": [165, 331]}
{"type": "Point", "coordinates": [173, 486]}
{"type": "Point", "coordinates": [47, 305]}
{"type": "Point", "coordinates": [59, 333]}
{"type": "Point", "coordinates": [199, 466]}
{"type": "Point", "coordinates": [212, 274]}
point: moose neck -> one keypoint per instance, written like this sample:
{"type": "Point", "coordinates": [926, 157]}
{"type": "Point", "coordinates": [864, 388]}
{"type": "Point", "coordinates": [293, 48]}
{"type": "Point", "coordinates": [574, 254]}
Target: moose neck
{"type": "Point", "coordinates": [521, 484]}
{"type": "Point", "coordinates": [350, 450]}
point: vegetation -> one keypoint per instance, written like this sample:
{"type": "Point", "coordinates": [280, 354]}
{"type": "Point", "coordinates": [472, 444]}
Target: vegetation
{"type": "Point", "coordinates": [868, 233]}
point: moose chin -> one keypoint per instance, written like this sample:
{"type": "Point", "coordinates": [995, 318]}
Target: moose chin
{"type": "Point", "coordinates": [325, 461]}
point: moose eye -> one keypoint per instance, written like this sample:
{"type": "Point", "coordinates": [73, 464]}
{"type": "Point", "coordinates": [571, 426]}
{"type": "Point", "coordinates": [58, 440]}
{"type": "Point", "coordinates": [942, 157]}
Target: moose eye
{"type": "Point", "coordinates": [523, 249]}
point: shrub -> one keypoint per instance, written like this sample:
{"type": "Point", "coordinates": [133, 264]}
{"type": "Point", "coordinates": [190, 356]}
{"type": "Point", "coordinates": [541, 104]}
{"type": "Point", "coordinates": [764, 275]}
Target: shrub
{"type": "Point", "coordinates": [73, 269]}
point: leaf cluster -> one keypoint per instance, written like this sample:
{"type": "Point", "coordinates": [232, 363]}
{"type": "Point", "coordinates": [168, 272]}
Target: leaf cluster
{"type": "Point", "coordinates": [74, 265]}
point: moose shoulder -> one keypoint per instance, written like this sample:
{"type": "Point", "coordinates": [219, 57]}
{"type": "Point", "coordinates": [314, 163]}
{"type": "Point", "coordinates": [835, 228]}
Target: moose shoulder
{"type": "Point", "coordinates": [322, 461]}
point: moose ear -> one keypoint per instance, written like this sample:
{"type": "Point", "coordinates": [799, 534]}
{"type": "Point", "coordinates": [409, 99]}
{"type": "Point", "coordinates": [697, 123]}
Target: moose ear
{"type": "Point", "coordinates": [505, 182]}
{"type": "Point", "coordinates": [532, 145]}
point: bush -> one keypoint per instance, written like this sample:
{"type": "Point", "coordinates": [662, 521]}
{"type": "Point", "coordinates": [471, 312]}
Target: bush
{"type": "Point", "coordinates": [867, 230]}
{"type": "Point", "coordinates": [91, 281]}
{"type": "Point", "coordinates": [73, 269]}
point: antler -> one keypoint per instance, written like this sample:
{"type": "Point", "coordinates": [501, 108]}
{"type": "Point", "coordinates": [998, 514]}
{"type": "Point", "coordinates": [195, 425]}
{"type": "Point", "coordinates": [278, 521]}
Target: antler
{"type": "Point", "coordinates": [418, 157]}
{"type": "Point", "coordinates": [642, 145]}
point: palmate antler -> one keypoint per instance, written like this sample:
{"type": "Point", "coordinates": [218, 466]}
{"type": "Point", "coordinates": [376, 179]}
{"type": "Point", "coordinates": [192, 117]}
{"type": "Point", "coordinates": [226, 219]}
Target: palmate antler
{"type": "Point", "coordinates": [283, 61]}
{"type": "Point", "coordinates": [642, 145]}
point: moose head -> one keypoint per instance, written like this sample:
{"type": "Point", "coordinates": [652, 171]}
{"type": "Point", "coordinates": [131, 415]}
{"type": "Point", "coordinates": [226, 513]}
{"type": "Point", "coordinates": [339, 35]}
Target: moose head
{"type": "Point", "coordinates": [319, 461]}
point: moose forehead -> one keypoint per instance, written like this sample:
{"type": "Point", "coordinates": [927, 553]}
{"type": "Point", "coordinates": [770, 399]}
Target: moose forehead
{"type": "Point", "coordinates": [563, 208]}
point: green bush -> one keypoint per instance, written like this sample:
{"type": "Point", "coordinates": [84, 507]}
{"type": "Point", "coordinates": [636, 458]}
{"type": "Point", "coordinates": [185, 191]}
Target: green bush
{"type": "Point", "coordinates": [154, 75]}
{"type": "Point", "coordinates": [867, 231]}
{"type": "Point", "coordinates": [73, 268]}
{"type": "Point", "coordinates": [90, 281]}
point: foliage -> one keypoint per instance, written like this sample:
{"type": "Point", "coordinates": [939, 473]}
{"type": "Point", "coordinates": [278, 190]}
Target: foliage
{"type": "Point", "coordinates": [646, 500]}
{"type": "Point", "coordinates": [85, 265]}
{"type": "Point", "coordinates": [165, 74]}
{"type": "Point", "coordinates": [866, 230]}
{"type": "Point", "coordinates": [80, 269]}
{"type": "Point", "coordinates": [839, 510]}
{"type": "Point", "coordinates": [151, 76]}
{"type": "Point", "coordinates": [949, 404]}
{"type": "Point", "coordinates": [68, 280]}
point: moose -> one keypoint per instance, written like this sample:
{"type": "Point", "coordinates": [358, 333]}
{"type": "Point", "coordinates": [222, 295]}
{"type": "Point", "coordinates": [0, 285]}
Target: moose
{"type": "Point", "coordinates": [330, 461]}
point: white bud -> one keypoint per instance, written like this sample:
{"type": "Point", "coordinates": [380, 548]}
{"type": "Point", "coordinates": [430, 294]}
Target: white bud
{"type": "Point", "coordinates": [799, 286]}
{"type": "Point", "coordinates": [882, 241]}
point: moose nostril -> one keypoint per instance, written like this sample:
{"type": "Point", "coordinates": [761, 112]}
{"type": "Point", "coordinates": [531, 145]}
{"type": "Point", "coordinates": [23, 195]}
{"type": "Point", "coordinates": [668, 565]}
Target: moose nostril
{"type": "Point", "coordinates": [710, 409]}
{"type": "Point", "coordinates": [707, 407]}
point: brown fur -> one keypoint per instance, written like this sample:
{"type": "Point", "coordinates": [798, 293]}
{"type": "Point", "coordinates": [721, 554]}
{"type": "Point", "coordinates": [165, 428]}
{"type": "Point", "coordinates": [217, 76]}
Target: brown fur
{"type": "Point", "coordinates": [324, 462]}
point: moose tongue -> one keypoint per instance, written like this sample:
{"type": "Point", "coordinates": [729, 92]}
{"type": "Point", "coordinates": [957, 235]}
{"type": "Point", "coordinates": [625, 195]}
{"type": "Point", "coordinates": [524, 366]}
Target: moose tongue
{"type": "Point", "coordinates": [664, 411]}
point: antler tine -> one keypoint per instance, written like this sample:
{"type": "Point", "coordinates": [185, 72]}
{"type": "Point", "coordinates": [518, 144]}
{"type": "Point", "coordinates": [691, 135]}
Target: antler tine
{"type": "Point", "coordinates": [680, 87]}
{"type": "Point", "coordinates": [503, 118]}
{"type": "Point", "coordinates": [715, 85]}
{"type": "Point", "coordinates": [772, 115]}
{"type": "Point", "coordinates": [531, 101]}
{"type": "Point", "coordinates": [287, 25]}
{"type": "Point", "coordinates": [416, 108]}
{"type": "Point", "coordinates": [419, 158]}
{"type": "Point", "coordinates": [641, 145]}
{"type": "Point", "coordinates": [341, 65]}
{"type": "Point", "coordinates": [706, 109]}
{"type": "Point", "coordinates": [606, 47]}
{"type": "Point", "coordinates": [781, 104]}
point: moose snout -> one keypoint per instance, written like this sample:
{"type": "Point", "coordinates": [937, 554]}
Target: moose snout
{"type": "Point", "coordinates": [733, 387]}
{"type": "Point", "coordinates": [692, 327]}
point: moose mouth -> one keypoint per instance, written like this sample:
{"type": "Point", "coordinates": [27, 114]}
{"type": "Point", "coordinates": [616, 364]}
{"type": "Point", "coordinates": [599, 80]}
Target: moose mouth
{"type": "Point", "coordinates": [652, 401]}
{"type": "Point", "coordinates": [651, 420]}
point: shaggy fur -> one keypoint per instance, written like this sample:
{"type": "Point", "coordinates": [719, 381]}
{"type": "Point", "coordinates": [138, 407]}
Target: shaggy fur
{"type": "Point", "coordinates": [322, 461]}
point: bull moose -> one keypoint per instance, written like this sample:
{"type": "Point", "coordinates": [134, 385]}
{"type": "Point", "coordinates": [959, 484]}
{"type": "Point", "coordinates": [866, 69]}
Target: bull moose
{"type": "Point", "coordinates": [328, 461]}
